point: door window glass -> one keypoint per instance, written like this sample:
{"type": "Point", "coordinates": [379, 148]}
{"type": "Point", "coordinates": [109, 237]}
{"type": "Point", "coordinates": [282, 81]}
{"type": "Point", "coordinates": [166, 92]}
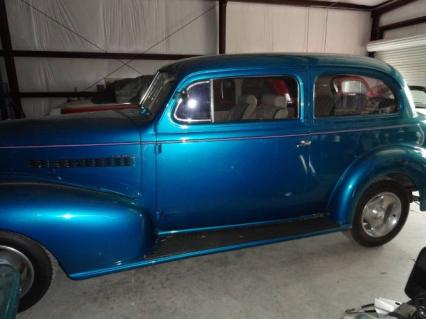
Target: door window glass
{"type": "Point", "coordinates": [256, 99]}
{"type": "Point", "coordinates": [240, 99]}
{"type": "Point", "coordinates": [351, 95]}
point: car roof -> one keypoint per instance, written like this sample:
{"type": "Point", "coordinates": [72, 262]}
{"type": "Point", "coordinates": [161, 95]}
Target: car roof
{"type": "Point", "coordinates": [185, 67]}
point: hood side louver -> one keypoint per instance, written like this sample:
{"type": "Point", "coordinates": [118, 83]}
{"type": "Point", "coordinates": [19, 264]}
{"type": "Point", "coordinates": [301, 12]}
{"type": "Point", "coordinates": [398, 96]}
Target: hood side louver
{"type": "Point", "coordinates": [117, 161]}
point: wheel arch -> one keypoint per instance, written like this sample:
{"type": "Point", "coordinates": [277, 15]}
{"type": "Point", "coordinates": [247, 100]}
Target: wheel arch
{"type": "Point", "coordinates": [403, 164]}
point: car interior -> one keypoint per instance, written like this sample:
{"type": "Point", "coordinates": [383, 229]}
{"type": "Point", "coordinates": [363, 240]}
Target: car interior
{"type": "Point", "coordinates": [346, 95]}
{"type": "Point", "coordinates": [245, 99]}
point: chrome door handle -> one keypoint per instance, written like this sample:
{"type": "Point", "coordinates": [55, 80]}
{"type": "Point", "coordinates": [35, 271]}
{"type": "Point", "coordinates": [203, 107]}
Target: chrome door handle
{"type": "Point", "coordinates": [304, 143]}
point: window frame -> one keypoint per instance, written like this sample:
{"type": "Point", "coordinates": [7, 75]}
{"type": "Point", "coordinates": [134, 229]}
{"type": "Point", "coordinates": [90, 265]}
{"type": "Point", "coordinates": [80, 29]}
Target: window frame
{"type": "Point", "coordinates": [357, 116]}
{"type": "Point", "coordinates": [212, 109]}
{"type": "Point", "coordinates": [178, 104]}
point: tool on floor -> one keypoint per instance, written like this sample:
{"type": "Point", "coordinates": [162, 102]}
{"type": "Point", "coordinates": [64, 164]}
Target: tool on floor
{"type": "Point", "coordinates": [389, 309]}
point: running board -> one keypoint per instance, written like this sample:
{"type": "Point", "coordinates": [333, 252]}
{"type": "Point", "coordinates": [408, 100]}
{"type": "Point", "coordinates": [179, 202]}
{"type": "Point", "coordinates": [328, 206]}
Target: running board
{"type": "Point", "coordinates": [184, 243]}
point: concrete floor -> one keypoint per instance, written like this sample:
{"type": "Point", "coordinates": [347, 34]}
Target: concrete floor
{"type": "Point", "coordinates": [316, 278]}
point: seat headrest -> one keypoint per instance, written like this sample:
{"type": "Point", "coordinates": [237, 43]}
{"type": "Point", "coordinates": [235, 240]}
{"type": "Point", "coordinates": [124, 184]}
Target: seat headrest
{"type": "Point", "coordinates": [247, 99]}
{"type": "Point", "coordinates": [279, 101]}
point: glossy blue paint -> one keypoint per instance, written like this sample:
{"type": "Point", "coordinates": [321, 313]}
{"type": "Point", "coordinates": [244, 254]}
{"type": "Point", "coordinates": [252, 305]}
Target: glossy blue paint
{"type": "Point", "coordinates": [161, 260]}
{"type": "Point", "coordinates": [190, 177]}
{"type": "Point", "coordinates": [246, 175]}
{"type": "Point", "coordinates": [85, 230]}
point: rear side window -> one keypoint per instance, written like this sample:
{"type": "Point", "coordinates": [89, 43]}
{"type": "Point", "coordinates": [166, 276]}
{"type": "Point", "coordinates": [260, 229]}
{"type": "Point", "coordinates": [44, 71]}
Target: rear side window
{"type": "Point", "coordinates": [240, 99]}
{"type": "Point", "coordinates": [352, 95]}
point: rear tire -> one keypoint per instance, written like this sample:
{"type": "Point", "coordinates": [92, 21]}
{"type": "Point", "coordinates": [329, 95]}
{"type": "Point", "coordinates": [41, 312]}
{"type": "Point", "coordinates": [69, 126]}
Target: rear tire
{"type": "Point", "coordinates": [36, 259]}
{"type": "Point", "coordinates": [380, 214]}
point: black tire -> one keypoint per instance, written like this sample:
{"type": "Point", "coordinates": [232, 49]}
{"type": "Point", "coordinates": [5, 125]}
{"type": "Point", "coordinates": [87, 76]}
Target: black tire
{"type": "Point", "coordinates": [358, 231]}
{"type": "Point", "coordinates": [41, 263]}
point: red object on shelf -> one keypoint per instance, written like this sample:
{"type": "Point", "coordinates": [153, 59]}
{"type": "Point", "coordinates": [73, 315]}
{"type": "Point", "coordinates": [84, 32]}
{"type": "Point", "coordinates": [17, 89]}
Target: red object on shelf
{"type": "Point", "coordinates": [98, 108]}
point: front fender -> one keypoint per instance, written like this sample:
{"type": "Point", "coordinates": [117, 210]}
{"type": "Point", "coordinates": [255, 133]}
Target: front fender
{"type": "Point", "coordinates": [407, 160]}
{"type": "Point", "coordinates": [84, 229]}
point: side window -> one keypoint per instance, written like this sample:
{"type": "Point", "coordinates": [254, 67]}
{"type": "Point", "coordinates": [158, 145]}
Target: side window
{"type": "Point", "coordinates": [194, 105]}
{"type": "Point", "coordinates": [240, 99]}
{"type": "Point", "coordinates": [351, 95]}
{"type": "Point", "coordinates": [255, 99]}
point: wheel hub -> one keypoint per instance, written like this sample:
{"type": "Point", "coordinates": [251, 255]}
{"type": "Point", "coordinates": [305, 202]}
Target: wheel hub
{"type": "Point", "coordinates": [21, 263]}
{"type": "Point", "coordinates": [381, 214]}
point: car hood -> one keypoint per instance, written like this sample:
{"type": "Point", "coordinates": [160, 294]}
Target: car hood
{"type": "Point", "coordinates": [79, 129]}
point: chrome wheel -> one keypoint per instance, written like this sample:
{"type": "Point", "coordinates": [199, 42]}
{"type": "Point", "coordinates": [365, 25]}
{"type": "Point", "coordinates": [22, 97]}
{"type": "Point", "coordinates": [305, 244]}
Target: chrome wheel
{"type": "Point", "coordinates": [20, 262]}
{"type": "Point", "coordinates": [381, 214]}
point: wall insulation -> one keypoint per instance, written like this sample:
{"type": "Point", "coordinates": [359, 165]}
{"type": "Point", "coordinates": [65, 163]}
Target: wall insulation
{"type": "Point", "coordinates": [264, 28]}
{"type": "Point", "coordinates": [160, 26]}
{"type": "Point", "coordinates": [143, 26]}
{"type": "Point", "coordinates": [409, 11]}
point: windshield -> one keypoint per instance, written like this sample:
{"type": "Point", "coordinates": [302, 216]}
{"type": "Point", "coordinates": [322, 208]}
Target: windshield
{"type": "Point", "coordinates": [419, 98]}
{"type": "Point", "coordinates": [157, 93]}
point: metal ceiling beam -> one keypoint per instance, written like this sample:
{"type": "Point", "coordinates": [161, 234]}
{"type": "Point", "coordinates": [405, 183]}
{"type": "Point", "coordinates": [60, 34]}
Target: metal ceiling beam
{"type": "Point", "coordinates": [222, 26]}
{"type": "Point", "coordinates": [9, 61]}
{"type": "Point", "coordinates": [85, 94]}
{"type": "Point", "coordinates": [402, 24]}
{"type": "Point", "coordinates": [312, 3]}
{"type": "Point", "coordinates": [390, 6]}
{"type": "Point", "coordinates": [99, 55]}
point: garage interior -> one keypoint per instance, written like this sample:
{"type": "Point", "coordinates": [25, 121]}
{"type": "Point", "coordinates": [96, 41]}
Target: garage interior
{"type": "Point", "coordinates": [56, 52]}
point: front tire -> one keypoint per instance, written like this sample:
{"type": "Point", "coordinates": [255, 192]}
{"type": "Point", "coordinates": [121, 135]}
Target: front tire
{"type": "Point", "coordinates": [380, 214]}
{"type": "Point", "coordinates": [33, 263]}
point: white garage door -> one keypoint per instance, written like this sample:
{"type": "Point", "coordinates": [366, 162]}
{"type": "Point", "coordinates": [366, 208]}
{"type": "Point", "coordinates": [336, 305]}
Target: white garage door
{"type": "Point", "coordinates": [411, 62]}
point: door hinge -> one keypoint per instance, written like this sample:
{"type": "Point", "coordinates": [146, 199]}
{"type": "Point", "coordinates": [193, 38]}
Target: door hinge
{"type": "Point", "coordinates": [158, 148]}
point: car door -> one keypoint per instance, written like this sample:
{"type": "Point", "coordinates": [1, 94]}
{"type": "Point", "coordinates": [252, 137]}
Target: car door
{"type": "Point", "coordinates": [233, 149]}
{"type": "Point", "coordinates": [355, 112]}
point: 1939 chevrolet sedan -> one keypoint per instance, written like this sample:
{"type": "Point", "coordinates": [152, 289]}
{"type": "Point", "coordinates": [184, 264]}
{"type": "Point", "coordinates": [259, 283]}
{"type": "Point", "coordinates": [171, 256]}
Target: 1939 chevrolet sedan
{"type": "Point", "coordinates": [225, 152]}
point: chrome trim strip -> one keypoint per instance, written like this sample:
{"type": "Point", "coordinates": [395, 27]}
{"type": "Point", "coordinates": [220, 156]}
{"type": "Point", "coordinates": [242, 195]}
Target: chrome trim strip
{"type": "Point", "coordinates": [284, 135]}
{"type": "Point", "coordinates": [209, 139]}
{"type": "Point", "coordinates": [211, 101]}
{"type": "Point", "coordinates": [70, 145]}
{"type": "Point", "coordinates": [244, 225]}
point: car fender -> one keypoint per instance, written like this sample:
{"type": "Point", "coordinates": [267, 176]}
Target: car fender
{"type": "Point", "coordinates": [84, 229]}
{"type": "Point", "coordinates": [402, 159]}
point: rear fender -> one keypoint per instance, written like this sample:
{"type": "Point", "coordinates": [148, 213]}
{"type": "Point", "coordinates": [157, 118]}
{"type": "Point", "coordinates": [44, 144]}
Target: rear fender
{"type": "Point", "coordinates": [407, 160]}
{"type": "Point", "coordinates": [84, 229]}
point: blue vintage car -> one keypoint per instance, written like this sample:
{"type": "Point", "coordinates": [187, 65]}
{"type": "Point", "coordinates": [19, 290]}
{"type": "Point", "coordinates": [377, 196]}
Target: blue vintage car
{"type": "Point", "coordinates": [225, 152]}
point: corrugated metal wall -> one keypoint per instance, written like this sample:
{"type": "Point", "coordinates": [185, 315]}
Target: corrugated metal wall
{"type": "Point", "coordinates": [411, 62]}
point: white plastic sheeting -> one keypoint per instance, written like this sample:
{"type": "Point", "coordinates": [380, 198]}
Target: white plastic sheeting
{"type": "Point", "coordinates": [55, 74]}
{"type": "Point", "coordinates": [160, 26]}
{"type": "Point", "coordinates": [143, 26]}
{"type": "Point", "coordinates": [113, 25]}
{"type": "Point", "coordinates": [263, 28]}
{"type": "Point", "coordinates": [58, 74]}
